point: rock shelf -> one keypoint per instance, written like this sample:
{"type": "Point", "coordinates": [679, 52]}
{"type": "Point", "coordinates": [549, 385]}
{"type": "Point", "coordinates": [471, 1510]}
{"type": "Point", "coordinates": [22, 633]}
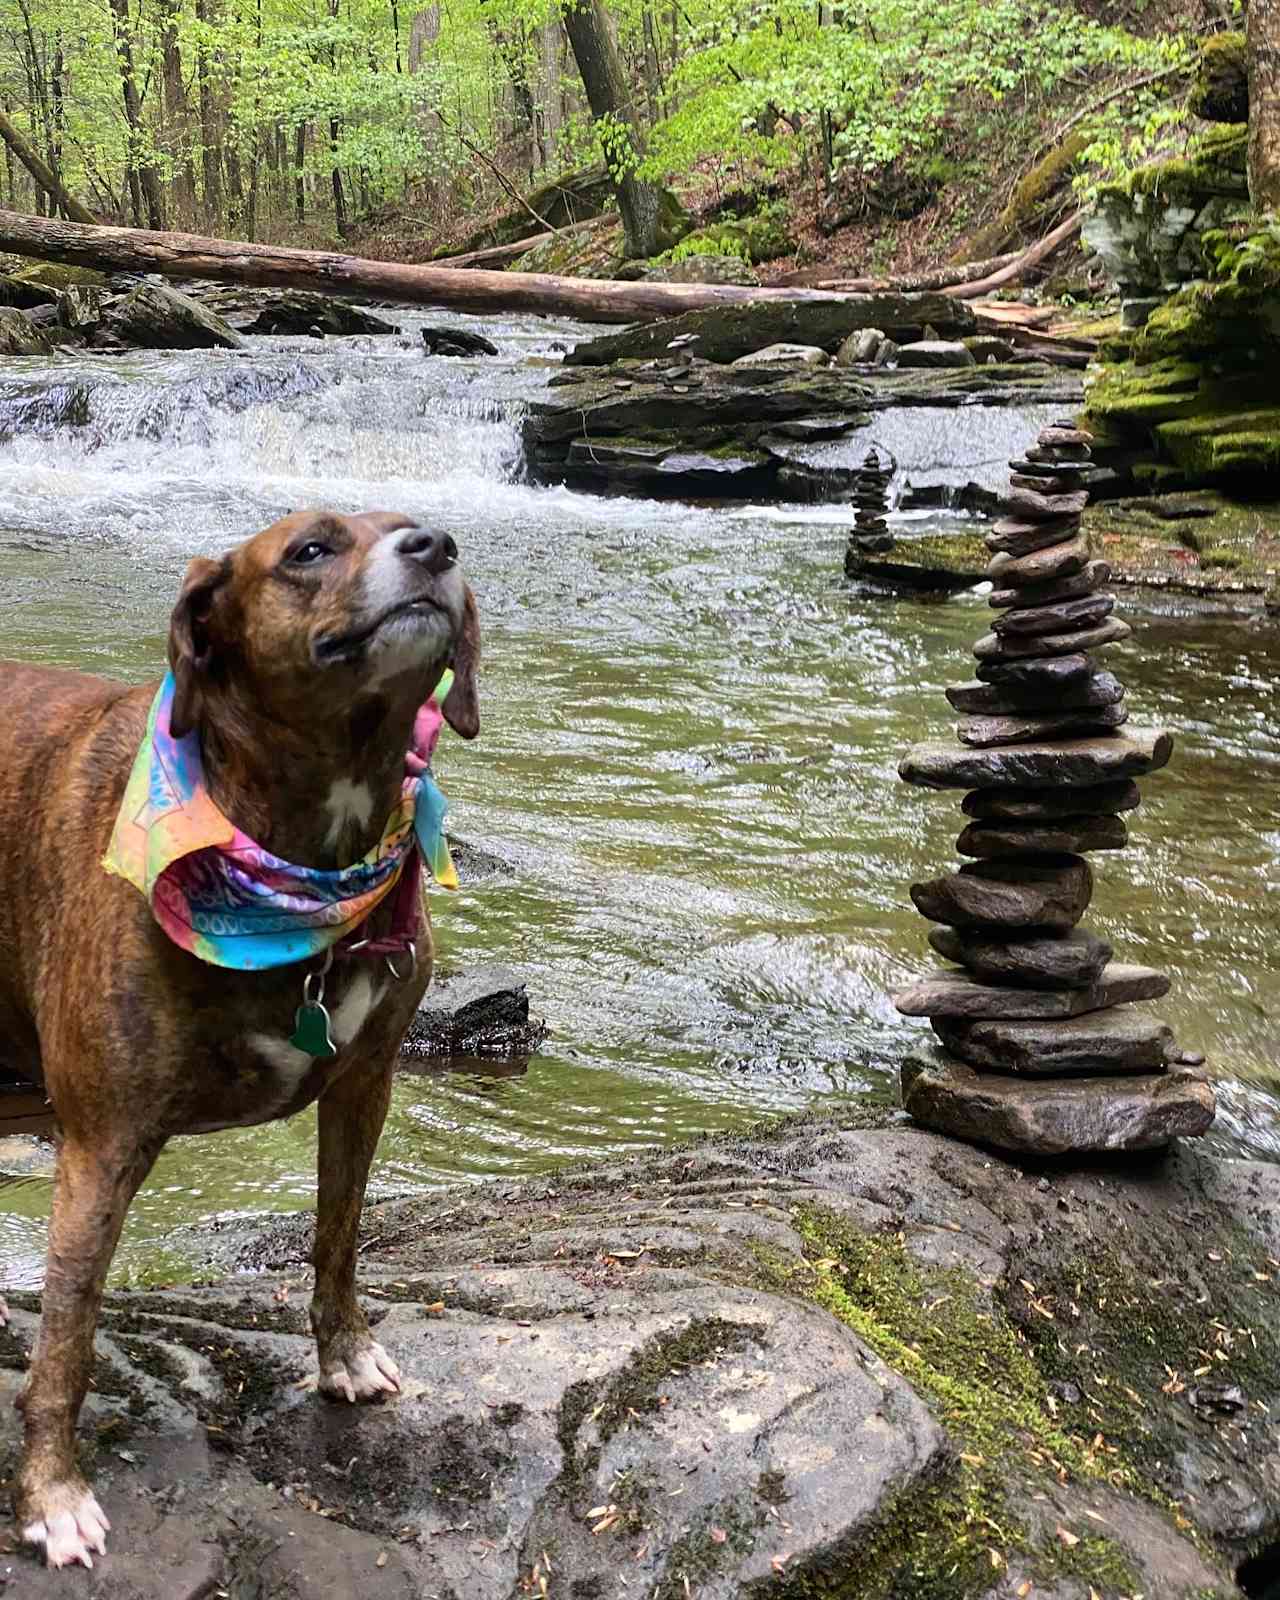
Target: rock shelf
{"type": "Point", "coordinates": [1043, 1043]}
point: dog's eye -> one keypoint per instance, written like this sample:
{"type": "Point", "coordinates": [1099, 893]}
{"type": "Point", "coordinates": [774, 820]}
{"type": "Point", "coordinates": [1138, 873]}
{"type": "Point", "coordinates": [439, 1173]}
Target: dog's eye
{"type": "Point", "coordinates": [308, 554]}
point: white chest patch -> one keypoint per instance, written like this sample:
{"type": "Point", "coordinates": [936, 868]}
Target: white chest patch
{"type": "Point", "coordinates": [350, 805]}
{"type": "Point", "coordinates": [346, 1019]}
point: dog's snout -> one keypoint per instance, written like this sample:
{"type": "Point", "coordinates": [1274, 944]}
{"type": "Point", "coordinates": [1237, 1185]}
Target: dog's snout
{"type": "Point", "coordinates": [435, 551]}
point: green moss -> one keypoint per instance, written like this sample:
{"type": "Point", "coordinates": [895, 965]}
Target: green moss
{"type": "Point", "coordinates": [1220, 90]}
{"type": "Point", "coordinates": [636, 1391]}
{"type": "Point", "coordinates": [54, 275]}
{"type": "Point", "coordinates": [1142, 396]}
{"type": "Point", "coordinates": [1227, 444]}
{"type": "Point", "coordinates": [1041, 183]}
{"type": "Point", "coordinates": [719, 1538]}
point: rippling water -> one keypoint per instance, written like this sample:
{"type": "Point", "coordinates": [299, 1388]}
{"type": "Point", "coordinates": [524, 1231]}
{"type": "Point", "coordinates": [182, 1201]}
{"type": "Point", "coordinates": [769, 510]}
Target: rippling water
{"type": "Point", "coordinates": [689, 754]}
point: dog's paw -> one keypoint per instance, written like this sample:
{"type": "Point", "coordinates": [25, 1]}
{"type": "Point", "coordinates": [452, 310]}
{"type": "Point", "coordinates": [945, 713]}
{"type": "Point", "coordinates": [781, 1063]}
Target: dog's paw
{"type": "Point", "coordinates": [362, 1372]}
{"type": "Point", "coordinates": [67, 1520]}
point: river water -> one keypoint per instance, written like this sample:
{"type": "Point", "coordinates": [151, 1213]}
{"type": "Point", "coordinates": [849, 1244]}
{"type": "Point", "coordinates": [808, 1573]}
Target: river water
{"type": "Point", "coordinates": [691, 732]}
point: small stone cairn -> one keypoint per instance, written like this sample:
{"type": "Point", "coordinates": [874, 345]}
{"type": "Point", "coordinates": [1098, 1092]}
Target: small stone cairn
{"type": "Point", "coordinates": [1041, 1047]}
{"type": "Point", "coordinates": [871, 534]}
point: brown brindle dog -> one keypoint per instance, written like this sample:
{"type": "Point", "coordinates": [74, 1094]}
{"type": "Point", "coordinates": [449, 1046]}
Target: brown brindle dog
{"type": "Point", "coordinates": [301, 659]}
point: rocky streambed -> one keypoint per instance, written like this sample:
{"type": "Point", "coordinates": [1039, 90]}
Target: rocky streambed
{"type": "Point", "coordinates": [844, 1357]}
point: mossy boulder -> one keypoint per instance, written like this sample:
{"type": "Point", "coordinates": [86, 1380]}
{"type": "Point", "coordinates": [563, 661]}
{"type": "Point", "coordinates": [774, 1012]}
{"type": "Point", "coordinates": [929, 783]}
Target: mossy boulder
{"type": "Point", "coordinates": [586, 253]}
{"type": "Point", "coordinates": [1149, 228]}
{"type": "Point", "coordinates": [571, 197]}
{"type": "Point", "coordinates": [54, 275]}
{"type": "Point", "coordinates": [1220, 89]}
{"type": "Point", "coordinates": [757, 238]}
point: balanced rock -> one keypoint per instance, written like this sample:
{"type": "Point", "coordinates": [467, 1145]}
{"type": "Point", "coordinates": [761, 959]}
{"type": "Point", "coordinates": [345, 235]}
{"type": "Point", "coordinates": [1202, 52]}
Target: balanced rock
{"type": "Point", "coordinates": [1036, 805]}
{"type": "Point", "coordinates": [1074, 960]}
{"type": "Point", "coordinates": [1039, 507]}
{"type": "Point", "coordinates": [1043, 565]}
{"type": "Point", "coordinates": [1055, 1116]}
{"type": "Point", "coordinates": [1051, 893]}
{"type": "Point", "coordinates": [1070, 763]}
{"type": "Point", "coordinates": [1112, 1041]}
{"type": "Point", "coordinates": [1037, 674]}
{"type": "Point", "coordinates": [1003, 647]}
{"type": "Point", "coordinates": [1065, 434]}
{"type": "Point", "coordinates": [1086, 581]}
{"type": "Point", "coordinates": [1050, 476]}
{"type": "Point", "coordinates": [984, 732]}
{"type": "Point", "coordinates": [1057, 616]}
{"type": "Point", "coordinates": [995, 699]}
{"type": "Point", "coordinates": [1065, 836]}
{"type": "Point", "coordinates": [1015, 538]}
{"type": "Point", "coordinates": [955, 995]}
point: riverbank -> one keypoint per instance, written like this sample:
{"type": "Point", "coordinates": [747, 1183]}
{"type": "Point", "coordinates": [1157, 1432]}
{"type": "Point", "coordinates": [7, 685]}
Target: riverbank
{"type": "Point", "coordinates": [842, 1357]}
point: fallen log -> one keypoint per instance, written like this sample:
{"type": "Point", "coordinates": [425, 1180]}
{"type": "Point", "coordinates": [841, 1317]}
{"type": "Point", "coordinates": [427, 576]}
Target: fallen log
{"type": "Point", "coordinates": [1023, 263]}
{"type": "Point", "coordinates": [184, 255]}
{"type": "Point", "coordinates": [940, 278]}
{"type": "Point", "coordinates": [43, 176]}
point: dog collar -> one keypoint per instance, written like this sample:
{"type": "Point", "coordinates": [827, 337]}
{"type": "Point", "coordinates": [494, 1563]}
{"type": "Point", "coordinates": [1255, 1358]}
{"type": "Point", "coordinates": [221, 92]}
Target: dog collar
{"type": "Point", "coordinates": [232, 903]}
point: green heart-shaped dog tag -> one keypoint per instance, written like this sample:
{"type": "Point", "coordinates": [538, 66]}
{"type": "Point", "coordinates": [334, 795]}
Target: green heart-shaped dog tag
{"type": "Point", "coordinates": [311, 1032]}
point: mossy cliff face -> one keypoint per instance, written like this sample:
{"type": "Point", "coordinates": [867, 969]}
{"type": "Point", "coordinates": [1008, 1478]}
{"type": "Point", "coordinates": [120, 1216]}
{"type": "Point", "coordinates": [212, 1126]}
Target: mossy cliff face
{"type": "Point", "coordinates": [836, 1359]}
{"type": "Point", "coordinates": [1197, 382]}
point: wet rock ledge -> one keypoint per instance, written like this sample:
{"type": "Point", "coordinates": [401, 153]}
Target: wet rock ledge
{"type": "Point", "coordinates": [832, 1359]}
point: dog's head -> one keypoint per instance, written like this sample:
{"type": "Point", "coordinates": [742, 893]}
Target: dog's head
{"type": "Point", "coordinates": [318, 613]}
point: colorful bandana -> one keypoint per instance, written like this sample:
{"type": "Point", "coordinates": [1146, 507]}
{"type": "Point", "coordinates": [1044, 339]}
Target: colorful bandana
{"type": "Point", "coordinates": [227, 900]}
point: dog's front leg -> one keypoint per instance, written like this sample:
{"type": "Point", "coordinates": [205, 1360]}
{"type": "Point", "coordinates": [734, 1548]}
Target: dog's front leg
{"type": "Point", "coordinates": [352, 1110]}
{"type": "Point", "coordinates": [92, 1188]}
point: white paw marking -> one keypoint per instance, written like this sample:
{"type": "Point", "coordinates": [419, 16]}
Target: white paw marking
{"type": "Point", "coordinates": [346, 1019]}
{"type": "Point", "coordinates": [365, 1375]}
{"type": "Point", "coordinates": [73, 1525]}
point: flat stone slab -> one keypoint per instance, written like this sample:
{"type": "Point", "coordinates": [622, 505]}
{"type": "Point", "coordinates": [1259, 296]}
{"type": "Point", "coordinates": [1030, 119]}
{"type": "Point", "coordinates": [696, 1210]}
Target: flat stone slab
{"type": "Point", "coordinates": [1037, 507]}
{"type": "Point", "coordinates": [1114, 1041]}
{"type": "Point", "coordinates": [1056, 616]}
{"type": "Point", "coordinates": [1038, 675]}
{"type": "Point", "coordinates": [946, 993]}
{"type": "Point", "coordinates": [1086, 581]}
{"type": "Point", "coordinates": [1020, 536]}
{"type": "Point", "coordinates": [1009, 894]}
{"type": "Point", "coordinates": [1069, 763]}
{"type": "Point", "coordinates": [1037, 805]}
{"type": "Point", "coordinates": [995, 700]}
{"type": "Point", "coordinates": [1000, 647]}
{"type": "Point", "coordinates": [1070, 961]}
{"type": "Point", "coordinates": [1061, 560]}
{"type": "Point", "coordinates": [1070, 835]}
{"type": "Point", "coordinates": [986, 732]}
{"type": "Point", "coordinates": [1058, 1117]}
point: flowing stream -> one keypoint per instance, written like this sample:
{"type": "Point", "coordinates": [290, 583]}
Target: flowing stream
{"type": "Point", "coordinates": [692, 728]}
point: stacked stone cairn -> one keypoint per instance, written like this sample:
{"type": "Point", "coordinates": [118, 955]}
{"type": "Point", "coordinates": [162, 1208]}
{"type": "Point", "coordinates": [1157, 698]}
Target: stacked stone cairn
{"type": "Point", "coordinates": [1042, 1048]}
{"type": "Point", "coordinates": [871, 534]}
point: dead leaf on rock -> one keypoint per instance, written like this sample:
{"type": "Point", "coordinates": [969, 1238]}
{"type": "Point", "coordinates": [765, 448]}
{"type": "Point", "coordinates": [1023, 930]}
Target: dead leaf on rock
{"type": "Point", "coordinates": [1067, 1537]}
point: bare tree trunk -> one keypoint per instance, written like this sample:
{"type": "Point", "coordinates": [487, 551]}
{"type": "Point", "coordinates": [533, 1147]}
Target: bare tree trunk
{"type": "Point", "coordinates": [210, 123]}
{"type": "Point", "coordinates": [144, 178]}
{"type": "Point", "coordinates": [46, 181]}
{"type": "Point", "coordinates": [1263, 49]}
{"type": "Point", "coordinates": [609, 97]}
{"type": "Point", "coordinates": [177, 116]}
{"type": "Point", "coordinates": [652, 68]}
{"type": "Point", "coordinates": [299, 176]}
{"type": "Point", "coordinates": [335, 128]}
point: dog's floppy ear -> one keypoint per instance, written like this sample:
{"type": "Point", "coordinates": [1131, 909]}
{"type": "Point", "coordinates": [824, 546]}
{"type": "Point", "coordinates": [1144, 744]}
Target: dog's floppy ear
{"type": "Point", "coordinates": [462, 703]}
{"type": "Point", "coordinates": [190, 647]}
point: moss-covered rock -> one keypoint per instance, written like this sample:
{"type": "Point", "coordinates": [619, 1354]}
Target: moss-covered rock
{"type": "Point", "coordinates": [760, 237]}
{"type": "Point", "coordinates": [1220, 90]}
{"type": "Point", "coordinates": [54, 275]}
{"type": "Point", "coordinates": [1150, 228]}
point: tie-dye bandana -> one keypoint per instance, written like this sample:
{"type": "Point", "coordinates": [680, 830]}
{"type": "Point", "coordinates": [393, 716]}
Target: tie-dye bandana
{"type": "Point", "coordinates": [230, 902]}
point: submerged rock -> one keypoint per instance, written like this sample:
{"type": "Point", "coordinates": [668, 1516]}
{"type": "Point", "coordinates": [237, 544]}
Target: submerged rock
{"type": "Point", "coordinates": [772, 1365]}
{"type": "Point", "coordinates": [482, 1013]}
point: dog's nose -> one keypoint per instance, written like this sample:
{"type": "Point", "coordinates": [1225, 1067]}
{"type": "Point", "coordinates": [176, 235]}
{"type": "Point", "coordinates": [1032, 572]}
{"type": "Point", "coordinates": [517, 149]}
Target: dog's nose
{"type": "Point", "coordinates": [435, 551]}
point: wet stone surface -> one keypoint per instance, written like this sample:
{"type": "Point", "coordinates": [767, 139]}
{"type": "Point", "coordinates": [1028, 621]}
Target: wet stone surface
{"type": "Point", "coordinates": [736, 1365]}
